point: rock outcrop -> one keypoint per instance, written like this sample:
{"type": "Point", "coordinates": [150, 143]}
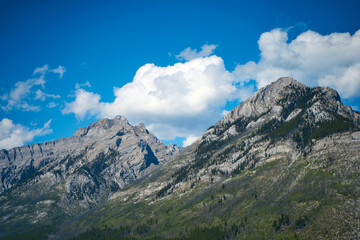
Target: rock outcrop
{"type": "Point", "coordinates": [97, 160]}
{"type": "Point", "coordinates": [285, 119]}
{"type": "Point", "coordinates": [284, 95]}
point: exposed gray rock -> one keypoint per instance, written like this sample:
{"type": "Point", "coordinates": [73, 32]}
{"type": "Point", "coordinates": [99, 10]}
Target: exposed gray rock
{"type": "Point", "coordinates": [99, 159]}
{"type": "Point", "coordinates": [284, 120]}
{"type": "Point", "coordinates": [283, 93]}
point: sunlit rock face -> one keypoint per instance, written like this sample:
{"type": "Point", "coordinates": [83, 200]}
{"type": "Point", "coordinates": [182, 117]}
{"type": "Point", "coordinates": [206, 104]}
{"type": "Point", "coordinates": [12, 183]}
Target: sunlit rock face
{"type": "Point", "coordinates": [97, 160]}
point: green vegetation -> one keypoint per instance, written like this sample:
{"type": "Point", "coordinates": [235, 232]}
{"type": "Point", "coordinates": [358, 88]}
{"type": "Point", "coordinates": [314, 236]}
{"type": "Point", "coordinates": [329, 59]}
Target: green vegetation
{"type": "Point", "coordinates": [236, 210]}
{"type": "Point", "coordinates": [297, 98]}
{"type": "Point", "coordinates": [302, 132]}
{"type": "Point", "coordinates": [301, 222]}
{"type": "Point", "coordinates": [35, 234]}
{"type": "Point", "coordinates": [277, 201]}
{"type": "Point", "coordinates": [164, 190]}
{"type": "Point", "coordinates": [283, 221]}
{"type": "Point", "coordinates": [106, 233]}
{"type": "Point", "coordinates": [287, 127]}
{"type": "Point", "coordinates": [339, 124]}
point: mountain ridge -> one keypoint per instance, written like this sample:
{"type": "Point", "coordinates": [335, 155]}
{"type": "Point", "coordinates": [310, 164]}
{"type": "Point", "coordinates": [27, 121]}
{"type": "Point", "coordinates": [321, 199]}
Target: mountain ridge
{"type": "Point", "coordinates": [276, 166]}
{"type": "Point", "coordinates": [83, 169]}
{"type": "Point", "coordinates": [270, 95]}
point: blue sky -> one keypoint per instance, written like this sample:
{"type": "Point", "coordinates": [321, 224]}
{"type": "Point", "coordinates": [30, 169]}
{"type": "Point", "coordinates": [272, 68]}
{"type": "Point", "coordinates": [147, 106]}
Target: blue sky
{"type": "Point", "coordinates": [92, 49]}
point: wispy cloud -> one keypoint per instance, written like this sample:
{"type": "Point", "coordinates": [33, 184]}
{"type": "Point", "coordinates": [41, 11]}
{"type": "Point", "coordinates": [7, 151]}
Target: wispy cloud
{"type": "Point", "coordinates": [45, 69]}
{"type": "Point", "coordinates": [22, 92]}
{"type": "Point", "coordinates": [59, 70]}
{"type": "Point", "coordinates": [42, 70]}
{"type": "Point", "coordinates": [39, 94]}
{"type": "Point", "coordinates": [16, 97]}
{"type": "Point", "coordinates": [190, 54]}
{"type": "Point", "coordinates": [52, 105]}
{"type": "Point", "coordinates": [15, 135]}
{"type": "Point", "coordinates": [81, 85]}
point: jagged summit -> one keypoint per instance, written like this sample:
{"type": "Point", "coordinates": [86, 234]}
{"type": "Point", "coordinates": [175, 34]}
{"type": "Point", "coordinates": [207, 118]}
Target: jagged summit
{"type": "Point", "coordinates": [284, 95]}
{"type": "Point", "coordinates": [265, 98]}
{"type": "Point", "coordinates": [119, 153]}
{"type": "Point", "coordinates": [104, 123]}
{"type": "Point", "coordinates": [284, 120]}
{"type": "Point", "coordinates": [285, 81]}
{"type": "Point", "coordinates": [286, 109]}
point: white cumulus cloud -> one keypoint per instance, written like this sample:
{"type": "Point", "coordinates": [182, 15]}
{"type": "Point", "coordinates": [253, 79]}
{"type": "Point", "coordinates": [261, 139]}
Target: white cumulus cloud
{"type": "Point", "coordinates": [179, 100]}
{"type": "Point", "coordinates": [189, 140]}
{"type": "Point", "coordinates": [85, 103]}
{"type": "Point", "coordinates": [15, 135]}
{"type": "Point", "coordinates": [184, 99]}
{"type": "Point", "coordinates": [328, 60]}
{"type": "Point", "coordinates": [224, 112]}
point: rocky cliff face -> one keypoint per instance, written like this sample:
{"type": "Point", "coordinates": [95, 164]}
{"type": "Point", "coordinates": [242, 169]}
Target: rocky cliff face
{"type": "Point", "coordinates": [285, 97]}
{"type": "Point", "coordinates": [96, 161]}
{"type": "Point", "coordinates": [285, 119]}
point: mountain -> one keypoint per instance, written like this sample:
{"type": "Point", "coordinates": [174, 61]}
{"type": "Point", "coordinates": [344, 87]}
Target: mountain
{"type": "Point", "coordinates": [284, 164]}
{"type": "Point", "coordinates": [64, 177]}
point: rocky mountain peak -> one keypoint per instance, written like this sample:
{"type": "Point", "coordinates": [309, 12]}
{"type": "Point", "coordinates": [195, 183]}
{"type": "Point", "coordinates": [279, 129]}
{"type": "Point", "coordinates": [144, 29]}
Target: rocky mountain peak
{"type": "Point", "coordinates": [96, 161]}
{"type": "Point", "coordinates": [281, 97]}
{"type": "Point", "coordinates": [285, 89]}
{"type": "Point", "coordinates": [104, 124]}
{"type": "Point", "coordinates": [284, 120]}
{"type": "Point", "coordinates": [277, 90]}
{"type": "Point", "coordinates": [287, 109]}
{"type": "Point", "coordinates": [284, 82]}
{"type": "Point", "coordinates": [141, 126]}
{"type": "Point", "coordinates": [121, 119]}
